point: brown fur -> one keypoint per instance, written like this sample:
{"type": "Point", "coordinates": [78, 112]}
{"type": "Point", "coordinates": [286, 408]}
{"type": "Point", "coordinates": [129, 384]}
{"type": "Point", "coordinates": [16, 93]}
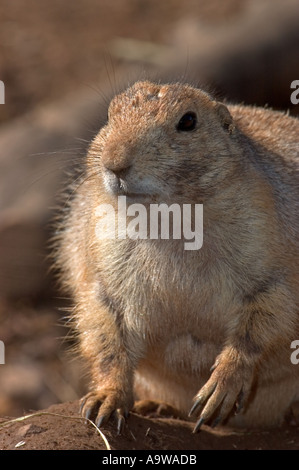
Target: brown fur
{"type": "Point", "coordinates": [151, 313]}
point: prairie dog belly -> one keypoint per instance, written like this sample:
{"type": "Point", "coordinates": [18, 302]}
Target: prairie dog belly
{"type": "Point", "coordinates": [174, 372]}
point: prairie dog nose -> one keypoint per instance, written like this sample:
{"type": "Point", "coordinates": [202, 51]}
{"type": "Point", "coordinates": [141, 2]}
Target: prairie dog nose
{"type": "Point", "coordinates": [119, 171]}
{"type": "Point", "coordinates": [115, 158]}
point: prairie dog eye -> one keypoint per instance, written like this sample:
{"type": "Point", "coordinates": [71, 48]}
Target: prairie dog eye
{"type": "Point", "coordinates": [187, 122]}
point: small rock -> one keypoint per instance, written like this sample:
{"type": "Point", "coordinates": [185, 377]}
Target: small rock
{"type": "Point", "coordinates": [29, 429]}
{"type": "Point", "coordinates": [21, 443]}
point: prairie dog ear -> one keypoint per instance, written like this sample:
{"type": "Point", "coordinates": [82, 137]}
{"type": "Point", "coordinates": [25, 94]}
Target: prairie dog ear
{"type": "Point", "coordinates": [224, 116]}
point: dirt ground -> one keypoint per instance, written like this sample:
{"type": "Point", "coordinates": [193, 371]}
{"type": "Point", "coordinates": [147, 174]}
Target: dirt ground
{"type": "Point", "coordinates": [60, 427]}
{"type": "Point", "coordinates": [53, 50]}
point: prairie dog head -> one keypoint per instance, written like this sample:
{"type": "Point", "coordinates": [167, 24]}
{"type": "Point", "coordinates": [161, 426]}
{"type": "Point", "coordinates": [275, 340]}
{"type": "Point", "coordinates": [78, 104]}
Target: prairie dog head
{"type": "Point", "coordinates": [163, 142]}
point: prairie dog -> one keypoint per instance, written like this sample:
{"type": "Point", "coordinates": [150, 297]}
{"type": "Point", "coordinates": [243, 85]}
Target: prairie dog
{"type": "Point", "coordinates": [212, 325]}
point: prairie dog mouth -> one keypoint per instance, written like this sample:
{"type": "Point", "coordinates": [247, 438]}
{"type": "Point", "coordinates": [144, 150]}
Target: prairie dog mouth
{"type": "Point", "coordinates": [118, 186]}
{"type": "Point", "coordinates": [114, 184]}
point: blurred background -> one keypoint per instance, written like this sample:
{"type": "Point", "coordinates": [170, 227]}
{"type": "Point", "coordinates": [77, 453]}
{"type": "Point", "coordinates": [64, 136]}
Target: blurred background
{"type": "Point", "coordinates": [60, 62]}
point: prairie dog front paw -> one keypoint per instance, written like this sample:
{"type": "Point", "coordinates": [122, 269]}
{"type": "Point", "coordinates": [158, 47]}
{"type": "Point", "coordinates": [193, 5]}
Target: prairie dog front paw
{"type": "Point", "coordinates": [105, 404]}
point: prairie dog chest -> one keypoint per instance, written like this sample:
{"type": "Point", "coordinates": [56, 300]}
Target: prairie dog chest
{"type": "Point", "coordinates": [165, 290]}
